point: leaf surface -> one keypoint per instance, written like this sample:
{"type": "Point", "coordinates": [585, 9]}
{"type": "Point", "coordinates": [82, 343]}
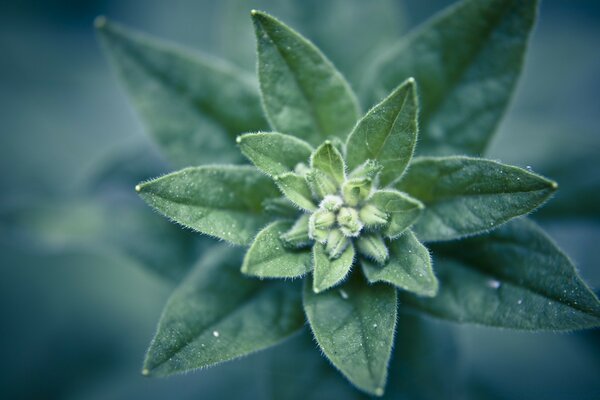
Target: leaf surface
{"type": "Point", "coordinates": [327, 272]}
{"type": "Point", "coordinates": [401, 209]}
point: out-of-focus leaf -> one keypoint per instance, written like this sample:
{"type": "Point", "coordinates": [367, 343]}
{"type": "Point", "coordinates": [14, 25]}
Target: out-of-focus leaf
{"type": "Point", "coordinates": [221, 201]}
{"type": "Point", "coordinates": [466, 61]}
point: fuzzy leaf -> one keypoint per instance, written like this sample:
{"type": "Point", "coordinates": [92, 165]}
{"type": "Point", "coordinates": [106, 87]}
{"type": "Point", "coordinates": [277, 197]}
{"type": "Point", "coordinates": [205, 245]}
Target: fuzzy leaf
{"type": "Point", "coordinates": [192, 105]}
{"type": "Point", "coordinates": [303, 94]}
{"type": "Point", "coordinates": [217, 314]}
{"type": "Point", "coordinates": [329, 160]}
{"type": "Point", "coordinates": [327, 272]}
{"type": "Point", "coordinates": [354, 326]}
{"type": "Point", "coordinates": [464, 196]}
{"type": "Point", "coordinates": [408, 267]}
{"type": "Point", "coordinates": [296, 189]}
{"type": "Point", "coordinates": [221, 201]}
{"type": "Point", "coordinates": [402, 210]}
{"type": "Point", "coordinates": [269, 257]}
{"type": "Point", "coordinates": [274, 153]}
{"type": "Point", "coordinates": [467, 61]}
{"type": "Point", "coordinates": [387, 134]}
{"type": "Point", "coordinates": [514, 277]}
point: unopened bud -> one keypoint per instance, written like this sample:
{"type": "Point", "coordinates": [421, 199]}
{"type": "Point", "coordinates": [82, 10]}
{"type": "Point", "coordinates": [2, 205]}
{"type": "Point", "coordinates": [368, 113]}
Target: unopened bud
{"type": "Point", "coordinates": [322, 219]}
{"type": "Point", "coordinates": [372, 216]}
{"type": "Point", "coordinates": [321, 184]}
{"type": "Point", "coordinates": [349, 222]}
{"type": "Point", "coordinates": [356, 190]}
{"type": "Point", "coordinates": [336, 243]}
{"type": "Point", "coordinates": [370, 169]}
{"type": "Point", "coordinates": [373, 247]}
{"type": "Point", "coordinates": [331, 203]}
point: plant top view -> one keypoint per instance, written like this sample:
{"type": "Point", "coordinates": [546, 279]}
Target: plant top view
{"type": "Point", "coordinates": [343, 219]}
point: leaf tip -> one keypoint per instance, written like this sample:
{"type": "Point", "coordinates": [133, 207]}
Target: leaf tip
{"type": "Point", "coordinates": [100, 22]}
{"type": "Point", "coordinates": [238, 139]}
{"type": "Point", "coordinates": [554, 185]}
{"type": "Point", "coordinates": [145, 372]}
{"type": "Point", "coordinates": [379, 391]}
{"type": "Point", "coordinates": [138, 188]}
{"type": "Point", "coordinates": [253, 12]}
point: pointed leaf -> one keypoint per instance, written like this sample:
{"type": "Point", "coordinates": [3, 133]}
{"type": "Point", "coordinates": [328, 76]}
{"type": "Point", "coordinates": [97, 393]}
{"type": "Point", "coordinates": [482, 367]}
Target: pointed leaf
{"type": "Point", "coordinates": [327, 272]}
{"type": "Point", "coordinates": [464, 196]}
{"type": "Point", "coordinates": [467, 61]}
{"type": "Point", "coordinates": [221, 201]}
{"type": "Point", "coordinates": [193, 106]}
{"type": "Point", "coordinates": [408, 267]}
{"type": "Point", "coordinates": [354, 327]}
{"type": "Point", "coordinates": [296, 189]}
{"type": "Point", "coordinates": [217, 314]}
{"type": "Point", "coordinates": [303, 94]}
{"type": "Point", "coordinates": [274, 153]}
{"type": "Point", "coordinates": [514, 277]}
{"type": "Point", "coordinates": [402, 210]}
{"type": "Point", "coordinates": [387, 134]}
{"type": "Point", "coordinates": [269, 257]}
{"type": "Point", "coordinates": [329, 160]}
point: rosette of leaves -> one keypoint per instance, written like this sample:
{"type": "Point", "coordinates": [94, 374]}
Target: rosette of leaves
{"type": "Point", "coordinates": [335, 199]}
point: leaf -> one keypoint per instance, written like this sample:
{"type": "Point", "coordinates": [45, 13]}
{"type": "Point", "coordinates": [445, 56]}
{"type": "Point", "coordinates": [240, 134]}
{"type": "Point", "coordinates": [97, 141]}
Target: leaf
{"type": "Point", "coordinates": [329, 160]}
{"type": "Point", "coordinates": [221, 201]}
{"type": "Point", "coordinates": [268, 257]}
{"type": "Point", "coordinates": [402, 210]}
{"type": "Point", "coordinates": [327, 272]}
{"type": "Point", "coordinates": [303, 94]}
{"type": "Point", "coordinates": [354, 328]}
{"type": "Point", "coordinates": [217, 314]}
{"type": "Point", "coordinates": [274, 153]}
{"type": "Point", "coordinates": [408, 267]}
{"type": "Point", "coordinates": [467, 61]}
{"type": "Point", "coordinates": [465, 196]}
{"type": "Point", "coordinates": [193, 106]}
{"type": "Point", "coordinates": [387, 134]}
{"type": "Point", "coordinates": [296, 189]}
{"type": "Point", "coordinates": [514, 277]}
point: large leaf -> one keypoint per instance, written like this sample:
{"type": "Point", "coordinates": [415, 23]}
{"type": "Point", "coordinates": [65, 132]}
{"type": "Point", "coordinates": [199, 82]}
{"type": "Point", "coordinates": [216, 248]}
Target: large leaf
{"type": "Point", "coordinates": [355, 327]}
{"type": "Point", "coordinates": [193, 106]}
{"type": "Point", "coordinates": [464, 196]}
{"type": "Point", "coordinates": [268, 257]}
{"type": "Point", "coordinates": [408, 267]}
{"type": "Point", "coordinates": [402, 210]}
{"type": "Point", "coordinates": [514, 277]}
{"type": "Point", "coordinates": [466, 61]}
{"type": "Point", "coordinates": [303, 94]}
{"type": "Point", "coordinates": [328, 272]}
{"type": "Point", "coordinates": [387, 133]}
{"type": "Point", "coordinates": [217, 314]}
{"type": "Point", "coordinates": [274, 153]}
{"type": "Point", "coordinates": [221, 201]}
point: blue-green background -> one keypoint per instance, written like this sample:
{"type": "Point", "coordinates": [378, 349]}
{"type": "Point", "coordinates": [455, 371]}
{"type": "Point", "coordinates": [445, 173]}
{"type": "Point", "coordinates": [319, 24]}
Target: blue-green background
{"type": "Point", "coordinates": [76, 312]}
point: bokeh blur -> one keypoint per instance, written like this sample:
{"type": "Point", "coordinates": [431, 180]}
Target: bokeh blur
{"type": "Point", "coordinates": [82, 269]}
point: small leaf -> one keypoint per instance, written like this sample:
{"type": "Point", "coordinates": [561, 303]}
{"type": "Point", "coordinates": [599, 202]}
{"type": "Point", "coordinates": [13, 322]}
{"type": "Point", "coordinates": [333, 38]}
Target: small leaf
{"type": "Point", "coordinates": [328, 160]}
{"type": "Point", "coordinates": [387, 134]}
{"type": "Point", "coordinates": [408, 267]}
{"type": "Point", "coordinates": [328, 272]}
{"type": "Point", "coordinates": [193, 106]}
{"type": "Point", "coordinates": [467, 61]}
{"type": "Point", "coordinates": [303, 94]}
{"type": "Point", "coordinates": [295, 188]}
{"type": "Point", "coordinates": [274, 153]}
{"type": "Point", "coordinates": [465, 196]}
{"type": "Point", "coordinates": [221, 201]}
{"type": "Point", "coordinates": [355, 328]}
{"type": "Point", "coordinates": [269, 257]}
{"type": "Point", "coordinates": [297, 236]}
{"type": "Point", "coordinates": [514, 277]}
{"type": "Point", "coordinates": [217, 314]}
{"type": "Point", "coordinates": [402, 210]}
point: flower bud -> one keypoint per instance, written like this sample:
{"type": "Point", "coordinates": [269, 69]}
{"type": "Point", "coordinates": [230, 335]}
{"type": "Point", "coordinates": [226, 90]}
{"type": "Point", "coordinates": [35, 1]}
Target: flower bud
{"type": "Point", "coordinates": [373, 247]}
{"type": "Point", "coordinates": [371, 216]}
{"type": "Point", "coordinates": [356, 190]}
{"type": "Point", "coordinates": [336, 243]}
{"type": "Point", "coordinates": [297, 236]}
{"type": "Point", "coordinates": [370, 169]}
{"type": "Point", "coordinates": [321, 184]}
{"type": "Point", "coordinates": [349, 222]}
{"type": "Point", "coordinates": [323, 219]}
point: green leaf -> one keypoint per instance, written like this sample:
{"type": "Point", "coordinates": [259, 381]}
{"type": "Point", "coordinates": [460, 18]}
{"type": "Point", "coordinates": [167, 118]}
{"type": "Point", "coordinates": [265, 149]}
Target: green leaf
{"type": "Point", "coordinates": [329, 160]}
{"type": "Point", "coordinates": [387, 134]}
{"type": "Point", "coordinates": [408, 267]}
{"type": "Point", "coordinates": [296, 189]}
{"type": "Point", "coordinates": [217, 314]}
{"type": "Point", "coordinates": [303, 94]}
{"type": "Point", "coordinates": [514, 277]}
{"type": "Point", "coordinates": [221, 201]}
{"type": "Point", "coordinates": [328, 272]}
{"type": "Point", "coordinates": [269, 257]}
{"type": "Point", "coordinates": [467, 61]}
{"type": "Point", "coordinates": [355, 328]}
{"type": "Point", "coordinates": [401, 209]}
{"type": "Point", "coordinates": [192, 105]}
{"type": "Point", "coordinates": [274, 153]}
{"type": "Point", "coordinates": [465, 196]}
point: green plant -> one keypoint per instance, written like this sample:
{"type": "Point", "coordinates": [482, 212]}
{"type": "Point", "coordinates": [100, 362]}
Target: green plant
{"type": "Point", "coordinates": [356, 204]}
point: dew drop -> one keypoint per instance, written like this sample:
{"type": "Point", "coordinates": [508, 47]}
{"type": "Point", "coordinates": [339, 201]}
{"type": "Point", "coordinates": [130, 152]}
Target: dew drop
{"type": "Point", "coordinates": [374, 325]}
{"type": "Point", "coordinates": [520, 301]}
{"type": "Point", "coordinates": [216, 333]}
{"type": "Point", "coordinates": [343, 294]}
{"type": "Point", "coordinates": [379, 391]}
{"type": "Point", "coordinates": [494, 284]}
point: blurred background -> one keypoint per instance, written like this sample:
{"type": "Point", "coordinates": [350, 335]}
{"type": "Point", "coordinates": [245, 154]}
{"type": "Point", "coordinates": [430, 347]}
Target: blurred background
{"type": "Point", "coordinates": [82, 260]}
